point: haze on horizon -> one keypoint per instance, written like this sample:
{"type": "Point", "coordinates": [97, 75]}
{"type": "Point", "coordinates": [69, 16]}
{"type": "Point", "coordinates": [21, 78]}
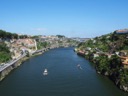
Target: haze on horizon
{"type": "Point", "coordinates": [72, 18]}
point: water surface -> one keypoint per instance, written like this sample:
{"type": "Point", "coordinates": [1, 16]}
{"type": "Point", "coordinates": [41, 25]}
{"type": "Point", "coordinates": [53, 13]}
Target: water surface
{"type": "Point", "coordinates": [64, 77]}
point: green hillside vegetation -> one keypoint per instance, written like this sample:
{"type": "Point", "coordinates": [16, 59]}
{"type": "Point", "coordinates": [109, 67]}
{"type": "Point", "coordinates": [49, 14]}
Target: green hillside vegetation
{"type": "Point", "coordinates": [5, 54]}
{"type": "Point", "coordinates": [111, 66]}
{"type": "Point", "coordinates": [107, 42]}
{"type": "Point", "coordinates": [9, 35]}
{"type": "Point", "coordinates": [41, 45]}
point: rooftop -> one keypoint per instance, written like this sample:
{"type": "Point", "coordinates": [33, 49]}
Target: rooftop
{"type": "Point", "coordinates": [124, 31]}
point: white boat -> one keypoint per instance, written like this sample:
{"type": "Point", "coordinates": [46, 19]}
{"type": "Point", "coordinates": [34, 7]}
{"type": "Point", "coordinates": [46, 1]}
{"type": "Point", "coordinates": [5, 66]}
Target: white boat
{"type": "Point", "coordinates": [79, 66]}
{"type": "Point", "coordinates": [45, 72]}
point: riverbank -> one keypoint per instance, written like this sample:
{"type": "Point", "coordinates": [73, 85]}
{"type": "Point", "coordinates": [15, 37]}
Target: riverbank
{"type": "Point", "coordinates": [7, 70]}
{"type": "Point", "coordinates": [112, 68]}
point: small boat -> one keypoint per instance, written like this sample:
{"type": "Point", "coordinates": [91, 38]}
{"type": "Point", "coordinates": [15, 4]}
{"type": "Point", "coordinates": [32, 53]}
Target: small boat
{"type": "Point", "coordinates": [45, 72]}
{"type": "Point", "coordinates": [79, 66]}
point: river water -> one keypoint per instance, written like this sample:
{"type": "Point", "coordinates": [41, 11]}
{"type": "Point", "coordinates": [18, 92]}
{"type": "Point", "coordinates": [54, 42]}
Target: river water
{"type": "Point", "coordinates": [64, 77]}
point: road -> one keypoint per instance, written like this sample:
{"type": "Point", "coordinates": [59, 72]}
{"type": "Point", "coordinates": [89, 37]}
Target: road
{"type": "Point", "coordinates": [4, 66]}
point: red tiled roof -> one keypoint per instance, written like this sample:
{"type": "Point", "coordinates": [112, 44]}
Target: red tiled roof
{"type": "Point", "coordinates": [122, 31]}
{"type": "Point", "coordinates": [125, 63]}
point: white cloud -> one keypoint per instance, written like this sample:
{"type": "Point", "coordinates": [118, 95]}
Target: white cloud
{"type": "Point", "coordinates": [39, 29]}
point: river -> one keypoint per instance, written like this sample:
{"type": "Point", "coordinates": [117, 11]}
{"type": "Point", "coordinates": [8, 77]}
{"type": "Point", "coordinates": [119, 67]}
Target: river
{"type": "Point", "coordinates": [64, 77]}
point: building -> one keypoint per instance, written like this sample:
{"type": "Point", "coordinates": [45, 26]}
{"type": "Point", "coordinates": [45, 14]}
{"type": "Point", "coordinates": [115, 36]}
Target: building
{"type": "Point", "coordinates": [125, 62]}
{"type": "Point", "coordinates": [122, 31]}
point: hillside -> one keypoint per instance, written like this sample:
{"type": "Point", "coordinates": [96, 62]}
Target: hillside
{"type": "Point", "coordinates": [5, 54]}
{"type": "Point", "coordinates": [109, 53]}
{"type": "Point", "coordinates": [13, 45]}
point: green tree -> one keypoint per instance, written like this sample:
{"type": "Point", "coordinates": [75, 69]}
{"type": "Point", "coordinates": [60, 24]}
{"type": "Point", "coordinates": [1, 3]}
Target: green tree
{"type": "Point", "coordinates": [102, 64]}
{"type": "Point", "coordinates": [5, 54]}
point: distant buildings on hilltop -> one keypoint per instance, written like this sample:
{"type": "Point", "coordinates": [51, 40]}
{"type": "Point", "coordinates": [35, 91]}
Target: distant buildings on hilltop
{"type": "Point", "coordinates": [122, 31]}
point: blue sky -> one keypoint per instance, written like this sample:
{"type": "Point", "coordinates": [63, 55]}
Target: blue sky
{"type": "Point", "coordinates": [72, 18]}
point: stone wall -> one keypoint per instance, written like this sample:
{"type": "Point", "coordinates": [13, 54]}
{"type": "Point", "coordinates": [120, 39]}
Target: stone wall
{"type": "Point", "coordinates": [6, 71]}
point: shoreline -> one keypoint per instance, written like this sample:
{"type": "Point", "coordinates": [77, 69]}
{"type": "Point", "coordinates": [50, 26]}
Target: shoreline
{"type": "Point", "coordinates": [4, 73]}
{"type": "Point", "coordinates": [116, 81]}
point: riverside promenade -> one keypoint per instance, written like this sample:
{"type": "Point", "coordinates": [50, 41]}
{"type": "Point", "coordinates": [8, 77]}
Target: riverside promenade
{"type": "Point", "coordinates": [4, 66]}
